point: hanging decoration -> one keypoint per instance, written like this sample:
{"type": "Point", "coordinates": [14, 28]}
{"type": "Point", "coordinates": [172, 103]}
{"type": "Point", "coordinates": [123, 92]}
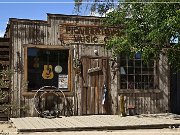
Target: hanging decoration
{"type": "Point", "coordinates": [48, 72]}
{"type": "Point", "coordinates": [58, 68]}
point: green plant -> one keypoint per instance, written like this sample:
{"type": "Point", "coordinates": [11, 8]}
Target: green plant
{"type": "Point", "coordinates": [145, 27]}
{"type": "Point", "coordinates": [8, 106]}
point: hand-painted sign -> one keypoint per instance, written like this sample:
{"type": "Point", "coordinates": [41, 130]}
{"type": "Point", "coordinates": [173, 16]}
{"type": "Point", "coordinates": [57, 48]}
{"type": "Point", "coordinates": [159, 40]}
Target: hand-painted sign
{"type": "Point", "coordinates": [89, 34]}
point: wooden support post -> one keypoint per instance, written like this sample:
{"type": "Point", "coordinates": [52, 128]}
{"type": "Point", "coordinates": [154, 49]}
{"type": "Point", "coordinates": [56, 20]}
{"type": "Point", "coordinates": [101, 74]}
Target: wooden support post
{"type": "Point", "coordinates": [122, 109]}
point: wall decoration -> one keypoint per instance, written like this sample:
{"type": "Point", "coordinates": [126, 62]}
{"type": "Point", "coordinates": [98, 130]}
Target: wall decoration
{"type": "Point", "coordinates": [47, 72]}
{"type": "Point", "coordinates": [58, 68]}
{"type": "Point", "coordinates": [63, 81]}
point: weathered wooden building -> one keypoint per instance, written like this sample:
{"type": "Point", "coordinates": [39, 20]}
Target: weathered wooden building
{"type": "Point", "coordinates": [4, 79]}
{"type": "Point", "coordinates": [68, 52]}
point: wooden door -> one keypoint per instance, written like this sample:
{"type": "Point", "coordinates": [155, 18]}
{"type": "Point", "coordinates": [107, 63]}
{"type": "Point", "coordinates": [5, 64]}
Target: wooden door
{"type": "Point", "coordinates": [95, 78]}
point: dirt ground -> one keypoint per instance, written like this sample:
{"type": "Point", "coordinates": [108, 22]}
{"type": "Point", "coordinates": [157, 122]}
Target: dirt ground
{"type": "Point", "coordinates": [8, 129]}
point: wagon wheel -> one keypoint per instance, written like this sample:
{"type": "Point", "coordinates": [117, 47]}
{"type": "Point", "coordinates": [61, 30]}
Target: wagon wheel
{"type": "Point", "coordinates": [47, 100]}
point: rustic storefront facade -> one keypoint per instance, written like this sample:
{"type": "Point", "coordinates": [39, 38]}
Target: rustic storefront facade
{"type": "Point", "coordinates": [68, 52]}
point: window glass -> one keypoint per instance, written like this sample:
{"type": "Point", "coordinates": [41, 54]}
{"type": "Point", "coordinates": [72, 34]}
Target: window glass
{"type": "Point", "coordinates": [136, 74]}
{"type": "Point", "coordinates": [46, 67]}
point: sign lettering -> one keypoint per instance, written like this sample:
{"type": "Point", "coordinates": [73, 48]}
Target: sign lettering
{"type": "Point", "coordinates": [86, 34]}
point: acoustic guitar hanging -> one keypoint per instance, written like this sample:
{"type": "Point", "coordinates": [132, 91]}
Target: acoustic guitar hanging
{"type": "Point", "coordinates": [48, 72]}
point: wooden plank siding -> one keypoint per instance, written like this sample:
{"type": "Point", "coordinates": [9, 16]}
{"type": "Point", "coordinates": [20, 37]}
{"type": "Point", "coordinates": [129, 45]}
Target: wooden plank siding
{"type": "Point", "coordinates": [24, 32]}
{"type": "Point", "coordinates": [4, 51]}
{"type": "Point", "coordinates": [93, 82]}
{"type": "Point", "coordinates": [145, 103]}
{"type": "Point", "coordinates": [36, 32]}
{"type": "Point", "coordinates": [4, 79]}
{"type": "Point", "coordinates": [86, 91]}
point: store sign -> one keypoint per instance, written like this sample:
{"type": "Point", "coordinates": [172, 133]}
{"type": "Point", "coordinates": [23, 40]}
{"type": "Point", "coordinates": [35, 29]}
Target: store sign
{"type": "Point", "coordinates": [174, 39]}
{"type": "Point", "coordinates": [86, 34]}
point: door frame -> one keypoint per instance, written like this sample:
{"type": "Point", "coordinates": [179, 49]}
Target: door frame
{"type": "Point", "coordinates": [85, 87]}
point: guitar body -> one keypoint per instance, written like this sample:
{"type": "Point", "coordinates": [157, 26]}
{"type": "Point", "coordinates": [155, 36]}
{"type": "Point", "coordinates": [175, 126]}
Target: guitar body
{"type": "Point", "coordinates": [47, 72]}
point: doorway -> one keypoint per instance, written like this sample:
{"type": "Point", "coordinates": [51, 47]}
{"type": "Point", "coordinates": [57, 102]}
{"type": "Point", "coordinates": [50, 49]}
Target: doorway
{"type": "Point", "coordinates": [175, 92]}
{"type": "Point", "coordinates": [95, 76]}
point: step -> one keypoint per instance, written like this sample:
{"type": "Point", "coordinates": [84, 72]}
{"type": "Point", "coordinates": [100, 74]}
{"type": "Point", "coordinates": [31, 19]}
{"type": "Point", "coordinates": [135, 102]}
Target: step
{"type": "Point", "coordinates": [5, 49]}
{"type": "Point", "coordinates": [4, 43]}
{"type": "Point", "coordinates": [3, 117]}
{"type": "Point", "coordinates": [4, 62]}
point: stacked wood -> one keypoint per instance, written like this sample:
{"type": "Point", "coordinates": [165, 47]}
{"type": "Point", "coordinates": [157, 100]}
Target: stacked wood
{"type": "Point", "coordinates": [4, 79]}
{"type": "Point", "coordinates": [4, 51]}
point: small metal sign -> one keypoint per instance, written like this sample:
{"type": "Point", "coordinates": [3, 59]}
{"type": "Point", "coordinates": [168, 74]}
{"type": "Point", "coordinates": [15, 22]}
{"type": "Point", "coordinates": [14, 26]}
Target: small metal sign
{"type": "Point", "coordinates": [174, 39]}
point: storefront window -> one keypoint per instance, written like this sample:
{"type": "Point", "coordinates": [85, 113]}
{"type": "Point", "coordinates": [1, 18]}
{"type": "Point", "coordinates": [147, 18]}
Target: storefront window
{"type": "Point", "coordinates": [47, 67]}
{"type": "Point", "coordinates": [136, 74]}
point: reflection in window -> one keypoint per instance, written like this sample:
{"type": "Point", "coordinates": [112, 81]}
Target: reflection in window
{"type": "Point", "coordinates": [136, 74]}
{"type": "Point", "coordinates": [41, 65]}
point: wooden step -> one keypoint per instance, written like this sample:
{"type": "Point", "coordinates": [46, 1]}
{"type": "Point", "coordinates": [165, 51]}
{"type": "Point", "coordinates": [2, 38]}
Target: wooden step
{"type": "Point", "coordinates": [4, 56]}
{"type": "Point", "coordinates": [3, 53]}
{"type": "Point", "coordinates": [4, 43]}
{"type": "Point", "coordinates": [4, 62]}
{"type": "Point", "coordinates": [3, 116]}
{"type": "Point", "coordinates": [4, 59]}
{"type": "Point", "coordinates": [4, 39]}
{"type": "Point", "coordinates": [4, 49]}
{"type": "Point", "coordinates": [5, 88]}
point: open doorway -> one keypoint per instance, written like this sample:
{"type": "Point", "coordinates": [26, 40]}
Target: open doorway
{"type": "Point", "coordinates": [175, 92]}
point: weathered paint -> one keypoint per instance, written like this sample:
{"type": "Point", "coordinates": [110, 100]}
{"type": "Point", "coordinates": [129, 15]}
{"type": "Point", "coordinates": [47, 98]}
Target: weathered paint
{"type": "Point", "coordinates": [4, 78]}
{"type": "Point", "coordinates": [48, 33]}
{"type": "Point", "coordinates": [34, 32]}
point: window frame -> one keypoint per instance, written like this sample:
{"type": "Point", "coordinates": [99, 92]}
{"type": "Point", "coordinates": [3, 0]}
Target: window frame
{"type": "Point", "coordinates": [134, 90]}
{"type": "Point", "coordinates": [50, 47]}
